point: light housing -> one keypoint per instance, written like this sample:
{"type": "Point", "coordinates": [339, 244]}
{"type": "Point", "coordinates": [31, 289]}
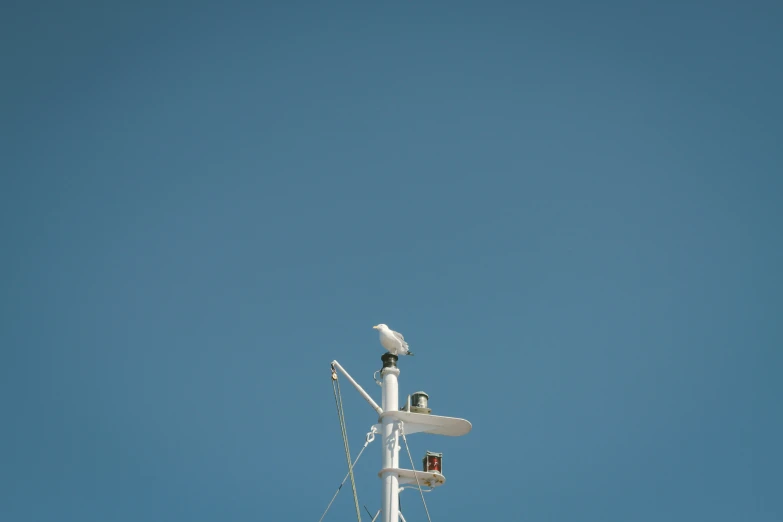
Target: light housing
{"type": "Point", "coordinates": [433, 462]}
{"type": "Point", "coordinates": [417, 403]}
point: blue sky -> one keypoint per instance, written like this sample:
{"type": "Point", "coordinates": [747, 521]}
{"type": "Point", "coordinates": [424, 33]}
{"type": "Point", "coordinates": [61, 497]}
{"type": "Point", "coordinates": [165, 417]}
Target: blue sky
{"type": "Point", "coordinates": [572, 210]}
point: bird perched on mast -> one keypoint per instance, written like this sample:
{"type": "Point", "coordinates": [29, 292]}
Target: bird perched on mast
{"type": "Point", "coordinates": [393, 341]}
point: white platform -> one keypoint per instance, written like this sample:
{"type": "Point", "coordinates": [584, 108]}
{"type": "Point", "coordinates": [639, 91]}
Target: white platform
{"type": "Point", "coordinates": [434, 424]}
{"type": "Point", "coordinates": [429, 479]}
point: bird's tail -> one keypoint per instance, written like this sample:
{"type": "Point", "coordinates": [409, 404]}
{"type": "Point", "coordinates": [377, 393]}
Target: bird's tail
{"type": "Point", "coordinates": [410, 352]}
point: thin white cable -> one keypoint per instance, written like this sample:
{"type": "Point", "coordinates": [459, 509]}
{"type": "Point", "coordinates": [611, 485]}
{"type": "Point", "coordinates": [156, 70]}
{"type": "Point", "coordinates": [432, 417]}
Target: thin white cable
{"type": "Point", "coordinates": [343, 482]}
{"type": "Point", "coordinates": [413, 468]}
{"type": "Point", "coordinates": [348, 454]}
{"type": "Point", "coordinates": [338, 399]}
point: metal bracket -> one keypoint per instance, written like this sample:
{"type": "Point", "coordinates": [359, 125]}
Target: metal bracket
{"type": "Point", "coordinates": [371, 435]}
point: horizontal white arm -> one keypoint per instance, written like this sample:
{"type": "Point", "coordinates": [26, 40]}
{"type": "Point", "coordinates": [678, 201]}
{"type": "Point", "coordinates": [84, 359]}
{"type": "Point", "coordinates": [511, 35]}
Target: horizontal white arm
{"type": "Point", "coordinates": [424, 422]}
{"type": "Point", "coordinates": [361, 391]}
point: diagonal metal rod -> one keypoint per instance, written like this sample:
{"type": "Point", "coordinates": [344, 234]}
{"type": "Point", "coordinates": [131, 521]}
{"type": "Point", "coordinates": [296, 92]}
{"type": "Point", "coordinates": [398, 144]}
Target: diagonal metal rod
{"type": "Point", "coordinates": [361, 391]}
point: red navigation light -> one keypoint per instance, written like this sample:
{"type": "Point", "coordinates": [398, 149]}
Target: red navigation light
{"type": "Point", "coordinates": [433, 462]}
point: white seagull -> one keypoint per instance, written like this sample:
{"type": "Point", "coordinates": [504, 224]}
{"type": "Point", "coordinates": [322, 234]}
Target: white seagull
{"type": "Point", "coordinates": [393, 341]}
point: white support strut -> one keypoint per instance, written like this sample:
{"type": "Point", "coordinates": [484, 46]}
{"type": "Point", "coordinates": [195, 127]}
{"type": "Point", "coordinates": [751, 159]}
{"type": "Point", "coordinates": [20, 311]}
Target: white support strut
{"type": "Point", "coordinates": [361, 391]}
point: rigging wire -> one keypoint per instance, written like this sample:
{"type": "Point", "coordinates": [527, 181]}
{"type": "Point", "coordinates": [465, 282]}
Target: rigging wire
{"type": "Point", "coordinates": [369, 440]}
{"type": "Point", "coordinates": [338, 400]}
{"type": "Point", "coordinates": [413, 467]}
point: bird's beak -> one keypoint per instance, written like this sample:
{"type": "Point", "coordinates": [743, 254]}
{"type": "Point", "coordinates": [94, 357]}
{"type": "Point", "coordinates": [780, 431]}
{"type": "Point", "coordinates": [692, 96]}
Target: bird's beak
{"type": "Point", "coordinates": [375, 327]}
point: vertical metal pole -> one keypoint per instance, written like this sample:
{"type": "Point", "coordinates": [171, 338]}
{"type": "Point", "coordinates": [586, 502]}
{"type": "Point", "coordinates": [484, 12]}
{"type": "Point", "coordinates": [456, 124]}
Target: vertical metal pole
{"type": "Point", "coordinates": [390, 501]}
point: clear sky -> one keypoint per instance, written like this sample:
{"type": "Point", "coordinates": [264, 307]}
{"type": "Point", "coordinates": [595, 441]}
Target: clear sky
{"type": "Point", "coordinates": [572, 210]}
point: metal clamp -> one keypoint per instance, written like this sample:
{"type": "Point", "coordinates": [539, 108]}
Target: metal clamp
{"type": "Point", "coordinates": [371, 435]}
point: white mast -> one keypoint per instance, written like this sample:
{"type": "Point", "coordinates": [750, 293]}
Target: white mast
{"type": "Point", "coordinates": [391, 418]}
{"type": "Point", "coordinates": [390, 431]}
